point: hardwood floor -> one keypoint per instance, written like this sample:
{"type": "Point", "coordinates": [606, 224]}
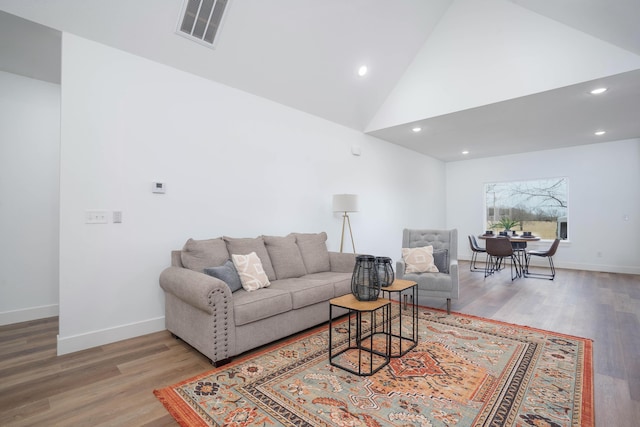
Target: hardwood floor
{"type": "Point", "coordinates": [113, 384]}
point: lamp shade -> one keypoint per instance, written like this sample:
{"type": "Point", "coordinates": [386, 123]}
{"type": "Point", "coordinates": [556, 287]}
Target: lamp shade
{"type": "Point", "coordinates": [345, 203]}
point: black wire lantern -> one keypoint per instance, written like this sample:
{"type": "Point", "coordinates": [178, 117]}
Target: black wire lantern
{"type": "Point", "coordinates": [365, 285]}
{"type": "Point", "coordinates": [386, 276]}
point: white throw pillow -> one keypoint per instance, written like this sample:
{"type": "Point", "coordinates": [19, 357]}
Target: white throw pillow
{"type": "Point", "coordinates": [250, 271]}
{"type": "Point", "coordinates": [419, 260]}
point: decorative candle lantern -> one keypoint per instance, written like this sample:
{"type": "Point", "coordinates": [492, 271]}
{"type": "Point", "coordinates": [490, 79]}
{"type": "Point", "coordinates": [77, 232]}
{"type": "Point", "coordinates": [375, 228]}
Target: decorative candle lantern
{"type": "Point", "coordinates": [365, 285]}
{"type": "Point", "coordinates": [386, 275]}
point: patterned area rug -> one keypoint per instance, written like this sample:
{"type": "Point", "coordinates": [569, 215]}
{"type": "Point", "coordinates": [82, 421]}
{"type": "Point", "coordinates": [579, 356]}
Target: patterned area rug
{"type": "Point", "coordinates": [465, 371]}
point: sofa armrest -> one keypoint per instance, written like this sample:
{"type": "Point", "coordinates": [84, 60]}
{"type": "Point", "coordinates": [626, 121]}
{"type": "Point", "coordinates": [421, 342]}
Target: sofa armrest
{"type": "Point", "coordinates": [342, 262]}
{"type": "Point", "coordinates": [196, 289]}
{"type": "Point", "coordinates": [453, 267]}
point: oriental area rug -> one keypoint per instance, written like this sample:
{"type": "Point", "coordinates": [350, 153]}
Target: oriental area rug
{"type": "Point", "coordinates": [465, 371]}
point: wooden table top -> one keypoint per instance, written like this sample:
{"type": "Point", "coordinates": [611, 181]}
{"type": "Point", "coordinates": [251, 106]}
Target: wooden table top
{"type": "Point", "coordinates": [350, 302]}
{"type": "Point", "coordinates": [512, 238]}
{"type": "Point", "coordinates": [399, 285]}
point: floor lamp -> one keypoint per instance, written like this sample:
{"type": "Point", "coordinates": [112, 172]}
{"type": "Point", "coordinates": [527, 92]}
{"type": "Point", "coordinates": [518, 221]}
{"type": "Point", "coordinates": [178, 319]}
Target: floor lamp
{"type": "Point", "coordinates": [345, 203]}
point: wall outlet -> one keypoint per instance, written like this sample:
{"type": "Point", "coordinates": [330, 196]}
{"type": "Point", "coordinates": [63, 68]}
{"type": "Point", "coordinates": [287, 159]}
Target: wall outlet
{"type": "Point", "coordinates": [117, 217]}
{"type": "Point", "coordinates": [96, 217]}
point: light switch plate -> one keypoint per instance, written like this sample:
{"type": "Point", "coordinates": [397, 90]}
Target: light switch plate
{"type": "Point", "coordinates": [96, 217]}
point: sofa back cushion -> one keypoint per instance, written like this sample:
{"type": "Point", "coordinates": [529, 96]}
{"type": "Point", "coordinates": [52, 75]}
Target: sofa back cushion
{"type": "Point", "coordinates": [285, 256]}
{"type": "Point", "coordinates": [313, 248]}
{"type": "Point", "coordinates": [199, 254]}
{"type": "Point", "coordinates": [244, 246]}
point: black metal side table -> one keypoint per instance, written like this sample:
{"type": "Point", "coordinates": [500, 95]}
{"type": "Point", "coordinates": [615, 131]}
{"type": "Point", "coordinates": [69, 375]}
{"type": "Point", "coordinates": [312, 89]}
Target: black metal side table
{"type": "Point", "coordinates": [362, 355]}
{"type": "Point", "coordinates": [408, 342]}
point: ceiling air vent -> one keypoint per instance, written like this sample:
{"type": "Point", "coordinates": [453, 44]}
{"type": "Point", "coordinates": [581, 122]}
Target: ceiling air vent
{"type": "Point", "coordinates": [200, 20]}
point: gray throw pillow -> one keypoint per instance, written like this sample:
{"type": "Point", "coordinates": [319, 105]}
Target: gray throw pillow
{"type": "Point", "coordinates": [441, 260]}
{"type": "Point", "coordinates": [227, 273]}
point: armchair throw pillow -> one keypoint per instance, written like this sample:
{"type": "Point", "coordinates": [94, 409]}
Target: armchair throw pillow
{"type": "Point", "coordinates": [441, 260]}
{"type": "Point", "coordinates": [419, 260]}
{"type": "Point", "coordinates": [251, 273]}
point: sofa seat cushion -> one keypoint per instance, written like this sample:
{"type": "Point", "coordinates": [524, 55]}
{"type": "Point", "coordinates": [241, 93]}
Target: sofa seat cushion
{"type": "Point", "coordinates": [253, 306]}
{"type": "Point", "coordinates": [305, 291]}
{"type": "Point", "coordinates": [431, 281]}
{"type": "Point", "coordinates": [341, 281]}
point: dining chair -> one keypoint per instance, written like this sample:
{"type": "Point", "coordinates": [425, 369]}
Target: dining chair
{"type": "Point", "coordinates": [549, 253]}
{"type": "Point", "coordinates": [498, 250]}
{"type": "Point", "coordinates": [475, 250]}
{"type": "Point", "coordinates": [520, 250]}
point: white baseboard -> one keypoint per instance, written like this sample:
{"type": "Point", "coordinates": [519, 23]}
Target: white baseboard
{"type": "Point", "coordinates": [73, 343]}
{"type": "Point", "coordinates": [622, 269]}
{"type": "Point", "coordinates": [575, 266]}
{"type": "Point", "coordinates": [27, 314]}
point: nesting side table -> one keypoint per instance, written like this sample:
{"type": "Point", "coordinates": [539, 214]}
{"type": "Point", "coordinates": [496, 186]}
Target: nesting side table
{"type": "Point", "coordinates": [406, 342]}
{"type": "Point", "coordinates": [367, 351]}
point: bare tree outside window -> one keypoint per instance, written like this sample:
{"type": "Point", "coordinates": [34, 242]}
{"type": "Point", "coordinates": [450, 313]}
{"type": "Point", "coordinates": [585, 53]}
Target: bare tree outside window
{"type": "Point", "coordinates": [538, 205]}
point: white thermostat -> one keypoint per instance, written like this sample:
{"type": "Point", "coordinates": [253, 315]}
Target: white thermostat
{"type": "Point", "coordinates": [158, 187]}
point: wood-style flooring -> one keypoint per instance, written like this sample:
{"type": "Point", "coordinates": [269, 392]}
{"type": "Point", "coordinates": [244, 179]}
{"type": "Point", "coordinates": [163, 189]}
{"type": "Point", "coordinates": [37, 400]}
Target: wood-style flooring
{"type": "Point", "coordinates": [113, 384]}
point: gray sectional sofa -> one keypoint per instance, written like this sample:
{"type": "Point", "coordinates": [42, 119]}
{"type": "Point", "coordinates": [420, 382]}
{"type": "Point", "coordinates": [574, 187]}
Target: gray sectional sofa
{"type": "Point", "coordinates": [204, 312]}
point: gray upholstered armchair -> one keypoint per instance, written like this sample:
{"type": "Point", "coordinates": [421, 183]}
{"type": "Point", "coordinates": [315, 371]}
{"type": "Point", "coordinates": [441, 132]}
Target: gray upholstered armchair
{"type": "Point", "coordinates": [434, 285]}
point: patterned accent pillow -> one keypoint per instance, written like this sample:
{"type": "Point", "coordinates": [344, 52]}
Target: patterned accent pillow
{"type": "Point", "coordinates": [227, 273]}
{"type": "Point", "coordinates": [251, 273]}
{"type": "Point", "coordinates": [419, 260]}
{"type": "Point", "coordinates": [244, 246]}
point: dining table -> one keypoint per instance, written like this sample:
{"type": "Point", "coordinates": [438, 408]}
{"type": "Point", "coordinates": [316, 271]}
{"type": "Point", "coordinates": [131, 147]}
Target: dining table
{"type": "Point", "coordinates": [518, 243]}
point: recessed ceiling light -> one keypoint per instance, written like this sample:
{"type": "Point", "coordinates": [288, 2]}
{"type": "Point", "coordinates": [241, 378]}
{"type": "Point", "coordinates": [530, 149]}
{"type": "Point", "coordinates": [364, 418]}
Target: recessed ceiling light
{"type": "Point", "coordinates": [417, 129]}
{"type": "Point", "coordinates": [362, 70]}
{"type": "Point", "coordinates": [465, 152]}
{"type": "Point", "coordinates": [600, 132]}
{"type": "Point", "coordinates": [598, 91]}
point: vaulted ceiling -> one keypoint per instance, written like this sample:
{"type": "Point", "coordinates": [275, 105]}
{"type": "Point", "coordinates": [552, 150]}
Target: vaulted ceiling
{"type": "Point", "coordinates": [487, 76]}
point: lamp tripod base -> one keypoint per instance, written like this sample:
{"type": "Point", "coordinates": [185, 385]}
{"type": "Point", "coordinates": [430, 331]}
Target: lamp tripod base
{"type": "Point", "coordinates": [346, 220]}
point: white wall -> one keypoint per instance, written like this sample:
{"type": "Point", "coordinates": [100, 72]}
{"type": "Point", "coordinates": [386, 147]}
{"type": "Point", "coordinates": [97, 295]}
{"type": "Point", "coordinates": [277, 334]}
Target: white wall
{"type": "Point", "coordinates": [604, 188]}
{"type": "Point", "coordinates": [234, 164]}
{"type": "Point", "coordinates": [29, 207]}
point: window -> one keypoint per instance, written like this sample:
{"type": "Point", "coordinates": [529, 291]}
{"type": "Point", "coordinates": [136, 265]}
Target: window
{"type": "Point", "coordinates": [538, 206]}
